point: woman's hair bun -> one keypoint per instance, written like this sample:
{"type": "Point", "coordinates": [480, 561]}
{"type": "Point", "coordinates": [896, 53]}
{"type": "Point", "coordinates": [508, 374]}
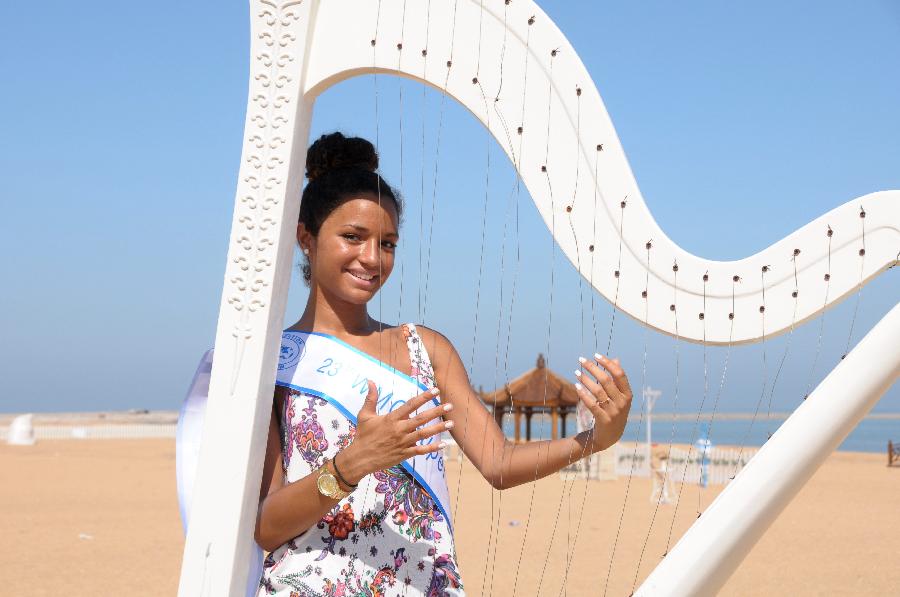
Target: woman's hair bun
{"type": "Point", "coordinates": [337, 152]}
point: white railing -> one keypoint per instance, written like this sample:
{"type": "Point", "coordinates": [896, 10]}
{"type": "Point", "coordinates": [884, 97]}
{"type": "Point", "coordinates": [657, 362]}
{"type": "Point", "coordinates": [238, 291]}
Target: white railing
{"type": "Point", "coordinates": [99, 431]}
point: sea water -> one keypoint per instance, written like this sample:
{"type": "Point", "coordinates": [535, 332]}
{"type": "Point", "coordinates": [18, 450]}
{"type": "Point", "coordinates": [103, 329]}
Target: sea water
{"type": "Point", "coordinates": [871, 435]}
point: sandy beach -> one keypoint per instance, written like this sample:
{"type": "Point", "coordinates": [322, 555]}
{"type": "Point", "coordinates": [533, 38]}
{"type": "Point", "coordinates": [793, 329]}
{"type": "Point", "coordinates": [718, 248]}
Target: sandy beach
{"type": "Point", "coordinates": [89, 517]}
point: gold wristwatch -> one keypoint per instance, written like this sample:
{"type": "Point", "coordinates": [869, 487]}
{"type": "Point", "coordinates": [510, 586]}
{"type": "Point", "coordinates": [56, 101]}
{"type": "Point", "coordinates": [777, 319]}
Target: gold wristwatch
{"type": "Point", "coordinates": [328, 484]}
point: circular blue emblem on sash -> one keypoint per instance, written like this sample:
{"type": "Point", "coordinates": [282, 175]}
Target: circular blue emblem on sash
{"type": "Point", "coordinates": [291, 351]}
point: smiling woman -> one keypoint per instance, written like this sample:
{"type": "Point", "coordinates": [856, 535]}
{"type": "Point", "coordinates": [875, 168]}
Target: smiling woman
{"type": "Point", "coordinates": [353, 495]}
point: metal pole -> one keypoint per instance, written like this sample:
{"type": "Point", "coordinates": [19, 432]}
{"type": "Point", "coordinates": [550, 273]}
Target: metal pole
{"type": "Point", "coordinates": [713, 548]}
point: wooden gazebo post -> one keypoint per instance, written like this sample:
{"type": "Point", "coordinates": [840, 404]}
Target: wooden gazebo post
{"type": "Point", "coordinates": [518, 417]}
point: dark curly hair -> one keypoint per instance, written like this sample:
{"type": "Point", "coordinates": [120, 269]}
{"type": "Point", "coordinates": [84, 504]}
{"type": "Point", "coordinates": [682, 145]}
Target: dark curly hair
{"type": "Point", "coordinates": [338, 168]}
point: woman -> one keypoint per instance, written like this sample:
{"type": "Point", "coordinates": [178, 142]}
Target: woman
{"type": "Point", "coordinates": [353, 499]}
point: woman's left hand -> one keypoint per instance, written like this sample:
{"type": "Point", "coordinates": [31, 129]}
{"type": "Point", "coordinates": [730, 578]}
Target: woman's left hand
{"type": "Point", "coordinates": [607, 394]}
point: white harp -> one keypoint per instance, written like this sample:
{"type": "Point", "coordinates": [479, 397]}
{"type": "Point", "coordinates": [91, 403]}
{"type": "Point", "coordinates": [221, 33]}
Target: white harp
{"type": "Point", "coordinates": [299, 48]}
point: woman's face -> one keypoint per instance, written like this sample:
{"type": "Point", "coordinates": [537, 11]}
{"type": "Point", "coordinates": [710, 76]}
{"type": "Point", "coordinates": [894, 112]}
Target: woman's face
{"type": "Point", "coordinates": [353, 254]}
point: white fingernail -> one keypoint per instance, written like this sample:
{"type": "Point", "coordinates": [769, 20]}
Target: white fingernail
{"type": "Point", "coordinates": [599, 356]}
{"type": "Point", "coordinates": [577, 373]}
{"type": "Point", "coordinates": [442, 445]}
{"type": "Point", "coordinates": [435, 391]}
{"type": "Point", "coordinates": [582, 360]}
{"type": "Point", "coordinates": [578, 386]}
{"type": "Point", "coordinates": [448, 407]}
{"type": "Point", "coordinates": [448, 425]}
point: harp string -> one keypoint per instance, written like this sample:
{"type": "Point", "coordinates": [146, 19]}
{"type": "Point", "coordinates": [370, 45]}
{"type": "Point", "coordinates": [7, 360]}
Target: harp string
{"type": "Point", "coordinates": [374, 42]}
{"type": "Point", "coordinates": [617, 274]}
{"type": "Point", "coordinates": [646, 297]}
{"type": "Point", "coordinates": [762, 394]}
{"type": "Point", "coordinates": [690, 449]}
{"type": "Point", "coordinates": [437, 155]}
{"type": "Point", "coordinates": [545, 170]}
{"type": "Point", "coordinates": [423, 293]}
{"type": "Point", "coordinates": [721, 388]}
{"type": "Point", "coordinates": [400, 133]}
{"type": "Point", "coordinates": [517, 191]}
{"type": "Point", "coordinates": [829, 233]}
{"type": "Point", "coordinates": [859, 285]}
{"type": "Point", "coordinates": [437, 158]}
{"type": "Point", "coordinates": [568, 486]}
{"type": "Point", "coordinates": [787, 347]}
{"type": "Point", "coordinates": [494, 536]}
{"type": "Point", "coordinates": [476, 81]}
{"type": "Point", "coordinates": [596, 340]}
{"type": "Point", "coordinates": [659, 498]}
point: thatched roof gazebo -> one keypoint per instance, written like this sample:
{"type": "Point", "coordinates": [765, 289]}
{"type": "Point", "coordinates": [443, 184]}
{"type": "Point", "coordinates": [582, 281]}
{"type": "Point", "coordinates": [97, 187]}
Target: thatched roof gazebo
{"type": "Point", "coordinates": [539, 390]}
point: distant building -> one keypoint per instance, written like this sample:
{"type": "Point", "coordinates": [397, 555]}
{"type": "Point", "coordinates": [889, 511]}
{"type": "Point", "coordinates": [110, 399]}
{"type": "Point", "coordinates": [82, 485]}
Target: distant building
{"type": "Point", "coordinates": [539, 390]}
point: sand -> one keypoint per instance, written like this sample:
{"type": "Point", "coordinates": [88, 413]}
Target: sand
{"type": "Point", "coordinates": [100, 517]}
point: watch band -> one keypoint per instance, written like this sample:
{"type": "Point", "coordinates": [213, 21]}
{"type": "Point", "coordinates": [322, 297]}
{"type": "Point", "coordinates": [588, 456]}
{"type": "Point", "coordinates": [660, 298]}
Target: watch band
{"type": "Point", "coordinates": [339, 475]}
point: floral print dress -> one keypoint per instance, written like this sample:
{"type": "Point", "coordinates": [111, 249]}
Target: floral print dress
{"type": "Point", "coordinates": [386, 538]}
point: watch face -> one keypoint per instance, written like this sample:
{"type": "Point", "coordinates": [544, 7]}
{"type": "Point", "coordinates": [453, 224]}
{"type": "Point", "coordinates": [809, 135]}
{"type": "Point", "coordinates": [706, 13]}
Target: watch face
{"type": "Point", "coordinates": [327, 484]}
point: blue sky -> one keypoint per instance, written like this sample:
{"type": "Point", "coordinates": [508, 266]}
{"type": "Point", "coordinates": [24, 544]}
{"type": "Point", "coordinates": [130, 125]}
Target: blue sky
{"type": "Point", "coordinates": [123, 128]}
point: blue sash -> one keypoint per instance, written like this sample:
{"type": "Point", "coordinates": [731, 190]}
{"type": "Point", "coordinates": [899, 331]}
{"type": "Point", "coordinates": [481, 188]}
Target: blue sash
{"type": "Point", "coordinates": [323, 366]}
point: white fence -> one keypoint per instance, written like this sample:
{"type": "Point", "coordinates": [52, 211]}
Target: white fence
{"type": "Point", "coordinates": [718, 466]}
{"type": "Point", "coordinates": [125, 431]}
{"type": "Point", "coordinates": [631, 460]}
{"type": "Point", "coordinates": [600, 467]}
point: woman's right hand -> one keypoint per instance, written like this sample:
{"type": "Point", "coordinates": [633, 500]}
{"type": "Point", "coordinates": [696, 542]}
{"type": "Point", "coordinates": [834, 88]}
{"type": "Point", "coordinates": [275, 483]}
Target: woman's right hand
{"type": "Point", "coordinates": [383, 441]}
